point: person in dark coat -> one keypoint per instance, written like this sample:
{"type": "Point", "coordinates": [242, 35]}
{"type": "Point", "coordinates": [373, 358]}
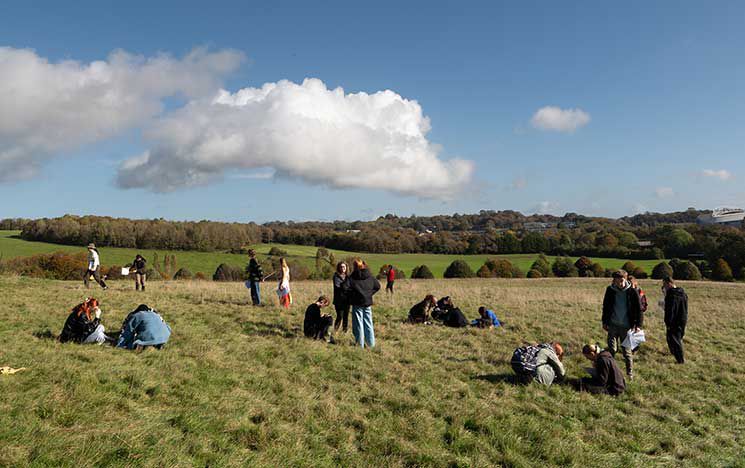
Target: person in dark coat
{"type": "Point", "coordinates": [255, 277]}
{"type": "Point", "coordinates": [138, 270]}
{"type": "Point", "coordinates": [606, 376]}
{"type": "Point", "coordinates": [442, 308]}
{"type": "Point", "coordinates": [362, 287]}
{"type": "Point", "coordinates": [341, 297]}
{"type": "Point", "coordinates": [421, 310]}
{"type": "Point", "coordinates": [676, 317]}
{"type": "Point", "coordinates": [621, 313]}
{"type": "Point", "coordinates": [83, 325]}
{"type": "Point", "coordinates": [316, 325]}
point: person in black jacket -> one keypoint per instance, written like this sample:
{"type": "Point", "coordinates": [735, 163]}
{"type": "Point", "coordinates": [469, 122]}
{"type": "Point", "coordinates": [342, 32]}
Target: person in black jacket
{"type": "Point", "coordinates": [606, 376]}
{"type": "Point", "coordinates": [421, 310]}
{"type": "Point", "coordinates": [362, 286]}
{"type": "Point", "coordinates": [316, 325]}
{"type": "Point", "coordinates": [341, 297]}
{"type": "Point", "coordinates": [138, 270]}
{"type": "Point", "coordinates": [676, 317]}
{"type": "Point", "coordinates": [255, 277]}
{"type": "Point", "coordinates": [81, 326]}
{"type": "Point", "coordinates": [621, 313]}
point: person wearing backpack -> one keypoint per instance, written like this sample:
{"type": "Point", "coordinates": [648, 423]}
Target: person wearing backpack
{"type": "Point", "coordinates": [540, 363]}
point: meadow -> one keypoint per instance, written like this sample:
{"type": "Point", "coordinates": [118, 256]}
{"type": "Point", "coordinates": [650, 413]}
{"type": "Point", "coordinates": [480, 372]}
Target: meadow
{"type": "Point", "coordinates": [207, 262]}
{"type": "Point", "coordinates": [240, 386]}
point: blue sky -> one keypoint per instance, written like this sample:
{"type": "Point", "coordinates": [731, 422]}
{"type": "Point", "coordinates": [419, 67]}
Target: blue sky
{"type": "Point", "coordinates": [661, 86]}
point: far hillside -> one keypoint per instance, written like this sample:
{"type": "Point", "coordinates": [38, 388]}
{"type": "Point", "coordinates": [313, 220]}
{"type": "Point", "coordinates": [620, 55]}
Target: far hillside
{"type": "Point", "coordinates": [11, 246]}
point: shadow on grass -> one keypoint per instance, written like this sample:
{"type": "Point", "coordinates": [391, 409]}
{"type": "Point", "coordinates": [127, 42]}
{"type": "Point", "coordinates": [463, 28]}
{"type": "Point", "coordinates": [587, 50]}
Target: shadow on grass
{"type": "Point", "coordinates": [270, 329]}
{"type": "Point", "coordinates": [498, 378]}
{"type": "Point", "coordinates": [45, 334]}
{"type": "Point", "coordinates": [210, 300]}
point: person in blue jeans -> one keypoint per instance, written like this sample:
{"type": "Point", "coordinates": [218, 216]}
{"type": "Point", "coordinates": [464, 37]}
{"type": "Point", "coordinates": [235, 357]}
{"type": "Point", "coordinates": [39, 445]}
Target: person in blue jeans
{"type": "Point", "coordinates": [255, 277]}
{"type": "Point", "coordinates": [143, 327]}
{"type": "Point", "coordinates": [362, 288]}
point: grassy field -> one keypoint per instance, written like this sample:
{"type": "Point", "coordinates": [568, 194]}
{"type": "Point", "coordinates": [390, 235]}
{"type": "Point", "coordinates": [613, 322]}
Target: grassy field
{"type": "Point", "coordinates": [207, 262]}
{"type": "Point", "coordinates": [240, 386]}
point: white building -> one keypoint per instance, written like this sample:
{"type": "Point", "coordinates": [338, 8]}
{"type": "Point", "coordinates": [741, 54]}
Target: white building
{"type": "Point", "coordinates": [726, 216]}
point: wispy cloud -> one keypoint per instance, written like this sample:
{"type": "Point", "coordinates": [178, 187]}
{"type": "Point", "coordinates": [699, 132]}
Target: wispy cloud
{"type": "Point", "coordinates": [519, 183]}
{"type": "Point", "coordinates": [720, 174]}
{"type": "Point", "coordinates": [664, 192]}
{"type": "Point", "coordinates": [555, 119]}
{"type": "Point", "coordinates": [261, 175]}
{"type": "Point", "coordinates": [546, 207]}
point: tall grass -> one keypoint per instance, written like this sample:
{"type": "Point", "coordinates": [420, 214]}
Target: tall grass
{"type": "Point", "coordinates": [240, 386]}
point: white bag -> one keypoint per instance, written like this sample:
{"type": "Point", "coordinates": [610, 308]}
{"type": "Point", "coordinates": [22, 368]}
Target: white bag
{"type": "Point", "coordinates": [125, 271]}
{"type": "Point", "coordinates": [633, 340]}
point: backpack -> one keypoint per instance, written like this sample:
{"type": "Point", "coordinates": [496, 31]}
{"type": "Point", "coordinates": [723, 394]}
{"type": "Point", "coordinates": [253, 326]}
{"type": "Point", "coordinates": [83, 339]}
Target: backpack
{"type": "Point", "coordinates": [455, 318]}
{"type": "Point", "coordinates": [524, 359]}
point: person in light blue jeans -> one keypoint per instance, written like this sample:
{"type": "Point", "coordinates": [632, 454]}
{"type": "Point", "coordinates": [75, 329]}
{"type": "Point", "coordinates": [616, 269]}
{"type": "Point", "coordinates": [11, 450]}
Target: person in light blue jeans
{"type": "Point", "coordinates": [362, 287]}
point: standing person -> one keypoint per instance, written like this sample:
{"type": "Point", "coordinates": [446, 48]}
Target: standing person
{"type": "Point", "coordinates": [341, 297]}
{"type": "Point", "coordinates": [606, 376]}
{"type": "Point", "coordinates": [621, 313]}
{"type": "Point", "coordinates": [390, 277]}
{"type": "Point", "coordinates": [362, 286]}
{"type": "Point", "coordinates": [283, 288]}
{"type": "Point", "coordinates": [81, 327]}
{"type": "Point", "coordinates": [316, 325]}
{"type": "Point", "coordinates": [94, 265]}
{"type": "Point", "coordinates": [643, 303]}
{"type": "Point", "coordinates": [138, 269]}
{"type": "Point", "coordinates": [255, 277]}
{"type": "Point", "coordinates": [676, 317]}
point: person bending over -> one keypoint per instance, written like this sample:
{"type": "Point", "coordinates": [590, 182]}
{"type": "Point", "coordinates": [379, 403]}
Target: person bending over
{"type": "Point", "coordinates": [487, 319]}
{"type": "Point", "coordinates": [83, 325]}
{"type": "Point", "coordinates": [316, 324]}
{"type": "Point", "coordinates": [606, 377]}
{"type": "Point", "coordinates": [421, 310]}
{"type": "Point", "coordinates": [143, 327]}
{"type": "Point", "coordinates": [539, 362]}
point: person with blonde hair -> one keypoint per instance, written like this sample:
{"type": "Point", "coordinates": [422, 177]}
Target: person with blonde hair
{"type": "Point", "coordinates": [362, 287]}
{"type": "Point", "coordinates": [283, 288]}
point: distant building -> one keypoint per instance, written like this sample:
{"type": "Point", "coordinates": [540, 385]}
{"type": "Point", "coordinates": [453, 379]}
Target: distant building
{"type": "Point", "coordinates": [538, 227]}
{"type": "Point", "coordinates": [725, 216]}
{"type": "Point", "coordinates": [644, 243]}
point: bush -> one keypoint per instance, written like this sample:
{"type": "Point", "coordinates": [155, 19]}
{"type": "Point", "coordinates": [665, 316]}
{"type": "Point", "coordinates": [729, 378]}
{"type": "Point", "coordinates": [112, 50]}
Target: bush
{"type": "Point", "coordinates": [722, 271]}
{"type": "Point", "coordinates": [422, 272]}
{"type": "Point", "coordinates": [517, 272]}
{"type": "Point", "coordinates": [629, 267]}
{"type": "Point", "coordinates": [277, 252]}
{"type": "Point", "coordinates": [227, 272]}
{"type": "Point", "coordinates": [499, 268]}
{"type": "Point", "coordinates": [639, 273]}
{"type": "Point", "coordinates": [114, 272]}
{"type": "Point", "coordinates": [542, 266]}
{"type": "Point", "coordinates": [183, 274]}
{"type": "Point", "coordinates": [58, 265]}
{"type": "Point", "coordinates": [534, 274]}
{"type": "Point", "coordinates": [563, 267]}
{"type": "Point", "coordinates": [298, 271]}
{"type": "Point", "coordinates": [662, 270]}
{"type": "Point", "coordinates": [583, 265]}
{"type": "Point", "coordinates": [200, 276]}
{"type": "Point", "coordinates": [687, 271]}
{"type": "Point", "coordinates": [458, 269]}
{"type": "Point", "coordinates": [597, 270]}
{"type": "Point", "coordinates": [484, 272]}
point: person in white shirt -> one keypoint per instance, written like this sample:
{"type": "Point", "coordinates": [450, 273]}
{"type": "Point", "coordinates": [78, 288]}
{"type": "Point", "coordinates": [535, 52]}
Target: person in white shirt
{"type": "Point", "coordinates": [94, 266]}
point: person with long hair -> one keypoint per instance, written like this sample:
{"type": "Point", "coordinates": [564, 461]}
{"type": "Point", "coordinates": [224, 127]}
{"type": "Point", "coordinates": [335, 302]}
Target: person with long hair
{"type": "Point", "coordinates": [83, 325]}
{"type": "Point", "coordinates": [420, 312]}
{"type": "Point", "coordinates": [94, 267]}
{"type": "Point", "coordinates": [341, 297]}
{"type": "Point", "coordinates": [283, 288]}
{"type": "Point", "coordinates": [362, 286]}
{"type": "Point", "coordinates": [138, 270]}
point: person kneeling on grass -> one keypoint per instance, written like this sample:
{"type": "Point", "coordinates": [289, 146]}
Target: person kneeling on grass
{"type": "Point", "coordinates": [539, 362]}
{"type": "Point", "coordinates": [81, 327]}
{"type": "Point", "coordinates": [487, 319]}
{"type": "Point", "coordinates": [421, 310]}
{"type": "Point", "coordinates": [448, 314]}
{"type": "Point", "coordinates": [316, 324]}
{"type": "Point", "coordinates": [143, 327]}
{"type": "Point", "coordinates": [606, 377]}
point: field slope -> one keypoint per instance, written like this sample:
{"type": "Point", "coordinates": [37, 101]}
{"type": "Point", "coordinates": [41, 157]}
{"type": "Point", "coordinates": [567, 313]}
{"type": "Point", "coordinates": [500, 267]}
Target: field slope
{"type": "Point", "coordinates": [240, 386]}
{"type": "Point", "coordinates": [206, 262]}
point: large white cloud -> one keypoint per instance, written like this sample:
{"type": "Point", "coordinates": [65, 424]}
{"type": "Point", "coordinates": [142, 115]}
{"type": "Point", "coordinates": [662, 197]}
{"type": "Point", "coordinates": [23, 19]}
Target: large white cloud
{"type": "Point", "coordinates": [48, 108]}
{"type": "Point", "coordinates": [302, 131]}
{"type": "Point", "coordinates": [559, 120]}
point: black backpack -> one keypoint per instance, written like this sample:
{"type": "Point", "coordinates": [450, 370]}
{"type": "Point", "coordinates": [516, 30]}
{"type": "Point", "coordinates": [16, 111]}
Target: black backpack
{"type": "Point", "coordinates": [455, 318]}
{"type": "Point", "coordinates": [524, 359]}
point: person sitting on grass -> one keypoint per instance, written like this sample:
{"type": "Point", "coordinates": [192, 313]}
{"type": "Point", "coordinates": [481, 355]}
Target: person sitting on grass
{"type": "Point", "coordinates": [487, 319]}
{"type": "Point", "coordinates": [421, 310]}
{"type": "Point", "coordinates": [539, 362]}
{"type": "Point", "coordinates": [316, 324]}
{"type": "Point", "coordinates": [143, 327]}
{"type": "Point", "coordinates": [81, 327]}
{"type": "Point", "coordinates": [442, 308]}
{"type": "Point", "coordinates": [606, 377]}
{"type": "Point", "coordinates": [448, 314]}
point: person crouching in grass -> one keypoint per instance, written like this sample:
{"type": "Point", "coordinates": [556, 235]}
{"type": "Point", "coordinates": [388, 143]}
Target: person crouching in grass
{"type": "Point", "coordinates": [487, 319]}
{"type": "Point", "coordinates": [419, 313]}
{"type": "Point", "coordinates": [316, 324]}
{"type": "Point", "coordinates": [606, 377]}
{"type": "Point", "coordinates": [143, 327]}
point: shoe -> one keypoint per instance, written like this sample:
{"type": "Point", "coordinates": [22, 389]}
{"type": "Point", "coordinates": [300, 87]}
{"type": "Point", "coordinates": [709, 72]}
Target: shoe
{"type": "Point", "coordinates": [331, 340]}
{"type": "Point", "coordinates": [105, 288]}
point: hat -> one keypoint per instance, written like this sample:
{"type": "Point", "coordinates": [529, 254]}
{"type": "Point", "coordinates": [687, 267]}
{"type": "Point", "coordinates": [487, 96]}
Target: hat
{"type": "Point", "coordinates": [91, 245]}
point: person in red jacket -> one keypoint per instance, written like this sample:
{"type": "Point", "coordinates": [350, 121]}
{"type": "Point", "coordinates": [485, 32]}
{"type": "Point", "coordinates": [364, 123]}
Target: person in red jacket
{"type": "Point", "coordinates": [390, 278]}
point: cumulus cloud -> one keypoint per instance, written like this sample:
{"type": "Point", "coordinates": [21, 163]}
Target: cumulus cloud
{"type": "Point", "coordinates": [720, 174]}
{"type": "Point", "coordinates": [559, 120]}
{"type": "Point", "coordinates": [302, 131]}
{"type": "Point", "coordinates": [47, 108]}
{"type": "Point", "coordinates": [664, 192]}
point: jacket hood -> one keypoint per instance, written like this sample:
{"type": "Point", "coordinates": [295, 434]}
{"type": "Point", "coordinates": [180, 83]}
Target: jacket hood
{"type": "Point", "coordinates": [361, 274]}
{"type": "Point", "coordinates": [676, 291]}
{"type": "Point", "coordinates": [626, 285]}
